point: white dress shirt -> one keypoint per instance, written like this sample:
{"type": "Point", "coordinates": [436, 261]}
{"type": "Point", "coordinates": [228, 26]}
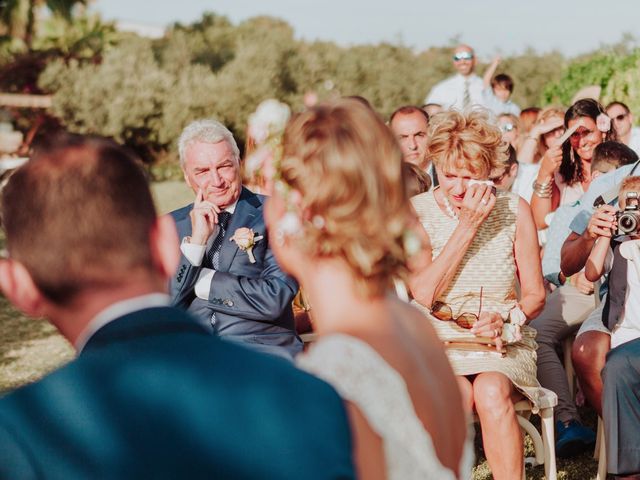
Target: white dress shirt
{"type": "Point", "coordinates": [450, 92]}
{"type": "Point", "coordinates": [496, 105]}
{"type": "Point", "coordinates": [195, 253]}
{"type": "Point", "coordinates": [634, 142]}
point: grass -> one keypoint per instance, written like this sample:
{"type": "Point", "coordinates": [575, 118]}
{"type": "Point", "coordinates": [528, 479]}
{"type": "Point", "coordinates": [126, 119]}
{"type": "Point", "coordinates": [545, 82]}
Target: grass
{"type": "Point", "coordinates": [30, 348]}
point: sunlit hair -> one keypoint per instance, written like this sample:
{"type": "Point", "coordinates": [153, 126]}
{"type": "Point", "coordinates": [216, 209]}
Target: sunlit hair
{"type": "Point", "coordinates": [467, 141]}
{"type": "Point", "coordinates": [79, 215]}
{"type": "Point", "coordinates": [528, 118]}
{"type": "Point", "coordinates": [571, 169]}
{"type": "Point", "coordinates": [629, 184]}
{"type": "Point", "coordinates": [347, 167]}
{"type": "Point", "coordinates": [548, 113]}
{"type": "Point", "coordinates": [207, 131]}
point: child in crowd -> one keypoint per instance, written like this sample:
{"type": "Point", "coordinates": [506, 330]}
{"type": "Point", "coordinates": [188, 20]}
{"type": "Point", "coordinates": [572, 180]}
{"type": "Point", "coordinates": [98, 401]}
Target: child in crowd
{"type": "Point", "coordinates": [416, 180]}
{"type": "Point", "coordinates": [497, 91]}
{"type": "Point", "coordinates": [505, 179]}
{"type": "Point", "coordinates": [617, 252]}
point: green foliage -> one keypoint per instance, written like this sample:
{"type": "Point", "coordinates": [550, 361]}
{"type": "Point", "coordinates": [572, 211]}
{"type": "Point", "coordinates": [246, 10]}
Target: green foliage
{"type": "Point", "coordinates": [624, 86]}
{"type": "Point", "coordinates": [595, 69]}
{"type": "Point", "coordinates": [143, 92]}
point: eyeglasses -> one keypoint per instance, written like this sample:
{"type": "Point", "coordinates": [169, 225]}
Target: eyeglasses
{"type": "Point", "coordinates": [462, 56]}
{"type": "Point", "coordinates": [507, 127]}
{"type": "Point", "coordinates": [578, 135]}
{"type": "Point", "coordinates": [442, 311]}
{"type": "Point", "coordinates": [621, 117]}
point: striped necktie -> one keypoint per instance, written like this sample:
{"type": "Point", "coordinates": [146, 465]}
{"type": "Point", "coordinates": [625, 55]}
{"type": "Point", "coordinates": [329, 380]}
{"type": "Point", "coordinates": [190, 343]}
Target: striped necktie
{"type": "Point", "coordinates": [466, 96]}
{"type": "Point", "coordinates": [212, 259]}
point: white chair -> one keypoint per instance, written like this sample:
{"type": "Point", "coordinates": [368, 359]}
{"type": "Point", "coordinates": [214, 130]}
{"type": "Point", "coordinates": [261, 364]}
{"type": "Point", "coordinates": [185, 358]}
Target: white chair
{"type": "Point", "coordinates": [544, 445]}
{"type": "Point", "coordinates": [600, 452]}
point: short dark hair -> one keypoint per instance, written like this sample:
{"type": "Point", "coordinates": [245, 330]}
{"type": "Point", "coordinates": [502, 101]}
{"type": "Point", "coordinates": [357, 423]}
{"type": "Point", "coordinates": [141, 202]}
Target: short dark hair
{"type": "Point", "coordinates": [614, 103]}
{"type": "Point", "coordinates": [416, 180]}
{"type": "Point", "coordinates": [408, 110]}
{"type": "Point", "coordinates": [79, 214]}
{"type": "Point", "coordinates": [612, 155]}
{"type": "Point", "coordinates": [503, 80]}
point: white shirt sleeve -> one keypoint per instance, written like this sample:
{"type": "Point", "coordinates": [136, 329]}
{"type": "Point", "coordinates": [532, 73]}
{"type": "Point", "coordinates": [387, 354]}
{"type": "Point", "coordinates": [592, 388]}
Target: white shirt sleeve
{"type": "Point", "coordinates": [194, 254]}
{"type": "Point", "coordinates": [203, 284]}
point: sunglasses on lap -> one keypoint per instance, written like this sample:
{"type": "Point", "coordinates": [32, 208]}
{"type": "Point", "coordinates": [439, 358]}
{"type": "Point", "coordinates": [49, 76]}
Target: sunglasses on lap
{"type": "Point", "coordinates": [443, 312]}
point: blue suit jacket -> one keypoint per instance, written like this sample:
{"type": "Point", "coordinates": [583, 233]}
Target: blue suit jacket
{"type": "Point", "coordinates": [251, 301]}
{"type": "Point", "coordinates": [153, 395]}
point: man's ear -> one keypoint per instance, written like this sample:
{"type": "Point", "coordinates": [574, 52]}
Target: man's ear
{"type": "Point", "coordinates": [165, 246]}
{"type": "Point", "coordinates": [18, 286]}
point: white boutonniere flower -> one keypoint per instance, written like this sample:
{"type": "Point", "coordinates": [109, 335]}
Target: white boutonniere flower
{"type": "Point", "coordinates": [245, 238]}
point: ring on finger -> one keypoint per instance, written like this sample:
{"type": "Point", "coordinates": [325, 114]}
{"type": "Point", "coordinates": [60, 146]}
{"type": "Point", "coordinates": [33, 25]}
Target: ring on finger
{"type": "Point", "coordinates": [483, 201]}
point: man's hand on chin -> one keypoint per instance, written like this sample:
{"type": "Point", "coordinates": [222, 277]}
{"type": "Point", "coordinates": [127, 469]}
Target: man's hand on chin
{"type": "Point", "coordinates": [204, 218]}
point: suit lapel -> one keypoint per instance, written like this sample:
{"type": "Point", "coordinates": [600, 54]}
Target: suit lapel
{"type": "Point", "coordinates": [246, 215]}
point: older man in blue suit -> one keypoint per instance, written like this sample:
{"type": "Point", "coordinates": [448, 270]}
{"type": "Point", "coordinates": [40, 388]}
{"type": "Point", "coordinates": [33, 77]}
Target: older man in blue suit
{"type": "Point", "coordinates": [228, 277]}
{"type": "Point", "coordinates": [151, 394]}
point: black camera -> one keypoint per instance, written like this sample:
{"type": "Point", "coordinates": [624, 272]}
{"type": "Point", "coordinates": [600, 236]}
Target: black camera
{"type": "Point", "coordinates": [629, 219]}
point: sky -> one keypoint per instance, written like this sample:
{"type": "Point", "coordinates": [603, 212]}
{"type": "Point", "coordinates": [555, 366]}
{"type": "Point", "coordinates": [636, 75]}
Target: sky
{"type": "Point", "coordinates": [490, 26]}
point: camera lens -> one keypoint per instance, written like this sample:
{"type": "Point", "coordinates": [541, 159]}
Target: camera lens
{"type": "Point", "coordinates": [627, 223]}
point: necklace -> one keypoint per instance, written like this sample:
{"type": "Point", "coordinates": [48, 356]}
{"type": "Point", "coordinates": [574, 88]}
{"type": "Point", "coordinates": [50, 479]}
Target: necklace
{"type": "Point", "coordinates": [448, 207]}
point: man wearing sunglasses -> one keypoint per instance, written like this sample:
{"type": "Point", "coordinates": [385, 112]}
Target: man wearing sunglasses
{"type": "Point", "coordinates": [463, 89]}
{"type": "Point", "coordinates": [623, 121]}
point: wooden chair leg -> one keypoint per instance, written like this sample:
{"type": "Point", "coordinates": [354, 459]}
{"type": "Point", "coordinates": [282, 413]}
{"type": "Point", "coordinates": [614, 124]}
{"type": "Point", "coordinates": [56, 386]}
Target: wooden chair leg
{"type": "Point", "coordinates": [601, 452]}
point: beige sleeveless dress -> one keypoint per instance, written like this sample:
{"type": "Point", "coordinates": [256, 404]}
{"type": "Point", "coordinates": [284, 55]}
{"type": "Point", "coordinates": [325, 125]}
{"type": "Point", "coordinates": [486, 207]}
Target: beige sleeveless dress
{"type": "Point", "coordinates": [488, 263]}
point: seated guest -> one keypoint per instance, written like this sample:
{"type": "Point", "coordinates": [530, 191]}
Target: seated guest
{"type": "Point", "coordinates": [237, 293]}
{"type": "Point", "coordinates": [533, 146]}
{"type": "Point", "coordinates": [617, 253]}
{"type": "Point", "coordinates": [480, 242]}
{"type": "Point", "coordinates": [151, 394]}
{"type": "Point", "coordinates": [416, 180]}
{"type": "Point", "coordinates": [623, 120]}
{"type": "Point", "coordinates": [621, 401]}
{"type": "Point", "coordinates": [564, 173]}
{"type": "Point", "coordinates": [510, 128]}
{"type": "Point", "coordinates": [528, 118]}
{"type": "Point", "coordinates": [409, 124]}
{"type": "Point", "coordinates": [504, 178]}
{"type": "Point", "coordinates": [565, 310]}
{"type": "Point", "coordinates": [339, 217]}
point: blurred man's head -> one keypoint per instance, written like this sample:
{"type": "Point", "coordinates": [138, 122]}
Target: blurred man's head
{"type": "Point", "coordinates": [622, 118]}
{"type": "Point", "coordinates": [79, 217]}
{"type": "Point", "coordinates": [409, 124]}
{"type": "Point", "coordinates": [464, 60]}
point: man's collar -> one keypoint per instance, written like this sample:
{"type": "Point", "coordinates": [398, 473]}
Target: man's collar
{"type": "Point", "coordinates": [232, 208]}
{"type": "Point", "coordinates": [117, 310]}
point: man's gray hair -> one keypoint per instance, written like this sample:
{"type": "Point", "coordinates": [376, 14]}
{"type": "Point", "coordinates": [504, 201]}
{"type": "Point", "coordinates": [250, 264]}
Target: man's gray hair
{"type": "Point", "coordinates": [208, 131]}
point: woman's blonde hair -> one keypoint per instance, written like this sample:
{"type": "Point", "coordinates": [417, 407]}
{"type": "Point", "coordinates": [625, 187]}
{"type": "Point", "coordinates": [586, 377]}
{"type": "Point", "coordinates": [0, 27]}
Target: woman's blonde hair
{"type": "Point", "coordinates": [347, 167]}
{"type": "Point", "coordinates": [468, 141]}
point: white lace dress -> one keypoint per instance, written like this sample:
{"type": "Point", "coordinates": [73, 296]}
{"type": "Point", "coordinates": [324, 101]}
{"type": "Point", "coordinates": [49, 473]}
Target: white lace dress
{"type": "Point", "coordinates": [363, 377]}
